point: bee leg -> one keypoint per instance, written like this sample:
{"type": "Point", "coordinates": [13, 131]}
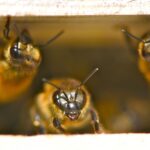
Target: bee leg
{"type": "Point", "coordinates": [7, 28]}
{"type": "Point", "coordinates": [40, 129]}
{"type": "Point", "coordinates": [95, 121]}
{"type": "Point", "coordinates": [57, 124]}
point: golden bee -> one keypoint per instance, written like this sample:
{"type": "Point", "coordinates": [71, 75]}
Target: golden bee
{"type": "Point", "coordinates": [19, 62]}
{"type": "Point", "coordinates": [64, 106]}
{"type": "Point", "coordinates": [143, 52]}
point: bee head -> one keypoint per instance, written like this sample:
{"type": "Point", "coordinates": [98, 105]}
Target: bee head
{"type": "Point", "coordinates": [144, 45]}
{"type": "Point", "coordinates": [22, 53]}
{"type": "Point", "coordinates": [71, 101]}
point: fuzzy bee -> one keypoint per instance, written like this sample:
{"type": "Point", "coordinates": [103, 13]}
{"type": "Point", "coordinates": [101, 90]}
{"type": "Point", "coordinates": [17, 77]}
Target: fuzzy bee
{"type": "Point", "coordinates": [143, 52]}
{"type": "Point", "coordinates": [19, 62]}
{"type": "Point", "coordinates": [64, 106]}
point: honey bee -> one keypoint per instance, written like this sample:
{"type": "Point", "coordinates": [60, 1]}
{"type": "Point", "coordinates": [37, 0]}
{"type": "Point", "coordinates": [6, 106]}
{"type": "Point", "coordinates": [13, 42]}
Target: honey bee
{"type": "Point", "coordinates": [64, 106]}
{"type": "Point", "coordinates": [143, 52]}
{"type": "Point", "coordinates": [19, 62]}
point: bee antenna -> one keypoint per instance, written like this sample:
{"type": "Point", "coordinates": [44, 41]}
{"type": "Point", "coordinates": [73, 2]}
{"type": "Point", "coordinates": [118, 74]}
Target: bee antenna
{"type": "Point", "coordinates": [88, 77]}
{"type": "Point", "coordinates": [85, 80]}
{"type": "Point", "coordinates": [132, 36]}
{"type": "Point", "coordinates": [52, 39]}
{"type": "Point", "coordinates": [47, 81]}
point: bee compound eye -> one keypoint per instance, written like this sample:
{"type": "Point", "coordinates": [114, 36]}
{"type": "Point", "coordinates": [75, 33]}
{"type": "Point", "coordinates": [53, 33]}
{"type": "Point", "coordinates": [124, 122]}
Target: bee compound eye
{"type": "Point", "coordinates": [15, 52]}
{"type": "Point", "coordinates": [60, 100]}
{"type": "Point", "coordinates": [81, 99]}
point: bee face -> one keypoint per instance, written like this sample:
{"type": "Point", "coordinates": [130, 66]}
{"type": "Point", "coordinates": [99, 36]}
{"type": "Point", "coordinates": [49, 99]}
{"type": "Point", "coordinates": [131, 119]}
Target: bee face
{"type": "Point", "coordinates": [19, 54]}
{"type": "Point", "coordinates": [70, 102]}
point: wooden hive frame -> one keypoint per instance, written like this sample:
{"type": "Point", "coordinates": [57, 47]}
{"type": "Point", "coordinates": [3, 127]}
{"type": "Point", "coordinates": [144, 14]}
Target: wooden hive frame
{"type": "Point", "coordinates": [75, 8]}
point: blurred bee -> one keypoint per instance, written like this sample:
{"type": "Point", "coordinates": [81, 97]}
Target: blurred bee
{"type": "Point", "coordinates": [19, 62]}
{"type": "Point", "coordinates": [143, 52]}
{"type": "Point", "coordinates": [64, 106]}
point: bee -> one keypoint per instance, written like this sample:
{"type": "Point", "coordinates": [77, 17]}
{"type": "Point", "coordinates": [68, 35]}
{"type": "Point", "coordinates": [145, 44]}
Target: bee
{"type": "Point", "coordinates": [19, 62]}
{"type": "Point", "coordinates": [64, 106]}
{"type": "Point", "coordinates": [143, 52]}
